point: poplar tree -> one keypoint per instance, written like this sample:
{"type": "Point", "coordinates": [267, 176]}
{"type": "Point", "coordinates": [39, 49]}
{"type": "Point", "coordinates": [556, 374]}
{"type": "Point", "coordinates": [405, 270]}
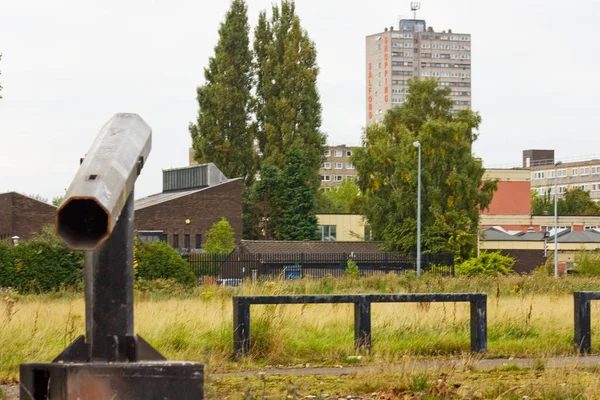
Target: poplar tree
{"type": "Point", "coordinates": [299, 221]}
{"type": "Point", "coordinates": [222, 133]}
{"type": "Point", "coordinates": [287, 105]}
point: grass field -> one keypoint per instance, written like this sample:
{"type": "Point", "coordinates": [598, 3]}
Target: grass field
{"type": "Point", "coordinates": [527, 317]}
{"type": "Point", "coordinates": [508, 382]}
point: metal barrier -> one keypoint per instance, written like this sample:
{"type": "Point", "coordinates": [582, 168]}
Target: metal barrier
{"type": "Point", "coordinates": [583, 320]}
{"type": "Point", "coordinates": [313, 265]}
{"type": "Point", "coordinates": [362, 313]}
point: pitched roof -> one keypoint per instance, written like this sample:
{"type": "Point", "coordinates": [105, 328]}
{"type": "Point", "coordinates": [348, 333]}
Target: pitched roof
{"type": "Point", "coordinates": [564, 236]}
{"type": "Point", "coordinates": [306, 246]}
{"type": "Point", "coordinates": [159, 198]}
{"type": "Point", "coordinates": [588, 236]}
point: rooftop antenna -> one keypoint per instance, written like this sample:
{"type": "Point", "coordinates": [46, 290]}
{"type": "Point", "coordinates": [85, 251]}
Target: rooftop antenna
{"type": "Point", "coordinates": [414, 6]}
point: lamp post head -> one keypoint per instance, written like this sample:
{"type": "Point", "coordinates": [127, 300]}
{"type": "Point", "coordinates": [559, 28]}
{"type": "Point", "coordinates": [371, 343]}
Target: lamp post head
{"type": "Point", "coordinates": [15, 240]}
{"type": "Point", "coordinates": [416, 143]}
{"type": "Point", "coordinates": [558, 163]}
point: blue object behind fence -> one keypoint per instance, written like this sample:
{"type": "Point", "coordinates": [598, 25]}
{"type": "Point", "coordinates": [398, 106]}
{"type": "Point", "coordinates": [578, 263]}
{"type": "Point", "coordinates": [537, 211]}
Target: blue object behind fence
{"type": "Point", "coordinates": [292, 272]}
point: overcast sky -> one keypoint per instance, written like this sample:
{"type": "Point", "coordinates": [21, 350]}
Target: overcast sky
{"type": "Point", "coordinates": [69, 65]}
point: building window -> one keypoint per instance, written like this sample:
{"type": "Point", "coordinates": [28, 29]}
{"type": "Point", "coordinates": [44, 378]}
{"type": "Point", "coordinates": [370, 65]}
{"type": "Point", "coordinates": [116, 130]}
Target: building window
{"type": "Point", "coordinates": [349, 166]}
{"type": "Point", "coordinates": [595, 187]}
{"type": "Point", "coordinates": [338, 178]}
{"type": "Point", "coordinates": [338, 153]}
{"type": "Point", "coordinates": [550, 174]}
{"type": "Point", "coordinates": [151, 236]}
{"type": "Point", "coordinates": [186, 241]}
{"type": "Point", "coordinates": [574, 171]}
{"type": "Point", "coordinates": [325, 178]}
{"type": "Point", "coordinates": [583, 171]}
{"type": "Point", "coordinates": [561, 173]}
{"type": "Point", "coordinates": [538, 175]}
{"type": "Point", "coordinates": [540, 191]}
{"type": "Point", "coordinates": [585, 187]}
{"type": "Point", "coordinates": [198, 242]}
{"type": "Point", "coordinates": [327, 232]}
{"type": "Point", "coordinates": [327, 153]}
{"type": "Point", "coordinates": [326, 165]}
{"type": "Point", "coordinates": [338, 165]}
{"type": "Point", "coordinates": [348, 153]}
{"type": "Point", "coordinates": [562, 189]}
{"type": "Point", "coordinates": [589, 228]}
{"type": "Point", "coordinates": [596, 170]}
{"type": "Point", "coordinates": [175, 241]}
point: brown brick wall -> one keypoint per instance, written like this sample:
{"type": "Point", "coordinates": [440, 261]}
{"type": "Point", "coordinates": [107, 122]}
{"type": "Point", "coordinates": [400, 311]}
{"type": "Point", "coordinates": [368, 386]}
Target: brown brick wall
{"type": "Point", "coordinates": [23, 216]}
{"type": "Point", "coordinates": [5, 215]}
{"type": "Point", "coordinates": [203, 209]}
{"type": "Point", "coordinates": [525, 260]}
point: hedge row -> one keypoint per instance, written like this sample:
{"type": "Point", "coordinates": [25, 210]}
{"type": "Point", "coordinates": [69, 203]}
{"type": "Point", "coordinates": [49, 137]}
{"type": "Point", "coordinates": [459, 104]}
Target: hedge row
{"type": "Point", "coordinates": [44, 264]}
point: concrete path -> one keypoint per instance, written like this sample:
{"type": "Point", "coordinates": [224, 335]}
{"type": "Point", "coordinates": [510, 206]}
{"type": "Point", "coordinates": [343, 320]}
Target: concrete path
{"type": "Point", "coordinates": [423, 365]}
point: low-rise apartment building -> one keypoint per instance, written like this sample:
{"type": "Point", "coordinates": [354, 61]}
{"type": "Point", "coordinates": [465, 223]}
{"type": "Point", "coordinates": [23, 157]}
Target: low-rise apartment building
{"type": "Point", "coordinates": [337, 166]}
{"type": "Point", "coordinates": [580, 172]}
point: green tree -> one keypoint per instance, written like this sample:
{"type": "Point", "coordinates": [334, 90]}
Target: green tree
{"type": "Point", "coordinates": [287, 106]}
{"type": "Point", "coordinates": [57, 200]}
{"type": "Point", "coordinates": [453, 192]}
{"type": "Point", "coordinates": [573, 202]}
{"type": "Point", "coordinates": [220, 238]}
{"type": "Point", "coordinates": [298, 219]}
{"type": "Point", "coordinates": [265, 205]}
{"type": "Point", "coordinates": [222, 133]}
{"type": "Point", "coordinates": [345, 199]}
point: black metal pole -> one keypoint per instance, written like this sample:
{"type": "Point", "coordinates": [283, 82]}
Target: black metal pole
{"type": "Point", "coordinates": [109, 291]}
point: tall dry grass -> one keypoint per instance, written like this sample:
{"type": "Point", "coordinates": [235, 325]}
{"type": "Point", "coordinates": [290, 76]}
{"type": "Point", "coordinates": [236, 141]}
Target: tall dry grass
{"type": "Point", "coordinates": [526, 317]}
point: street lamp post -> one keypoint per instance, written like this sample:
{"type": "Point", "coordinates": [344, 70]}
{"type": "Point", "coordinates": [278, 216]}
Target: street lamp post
{"type": "Point", "coordinates": [556, 220]}
{"type": "Point", "coordinates": [417, 144]}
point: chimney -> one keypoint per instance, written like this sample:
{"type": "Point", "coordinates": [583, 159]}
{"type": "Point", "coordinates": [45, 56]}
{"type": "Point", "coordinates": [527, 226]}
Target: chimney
{"type": "Point", "coordinates": [385, 30]}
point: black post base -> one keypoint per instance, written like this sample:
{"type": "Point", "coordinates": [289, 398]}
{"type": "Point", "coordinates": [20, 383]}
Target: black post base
{"type": "Point", "coordinates": [162, 380]}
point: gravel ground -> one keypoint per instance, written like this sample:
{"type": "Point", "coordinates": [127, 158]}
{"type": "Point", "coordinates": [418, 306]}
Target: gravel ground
{"type": "Point", "coordinates": [11, 392]}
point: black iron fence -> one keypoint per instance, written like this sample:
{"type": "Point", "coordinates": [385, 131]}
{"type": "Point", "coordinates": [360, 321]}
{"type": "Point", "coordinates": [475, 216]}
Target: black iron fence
{"type": "Point", "coordinates": [303, 265]}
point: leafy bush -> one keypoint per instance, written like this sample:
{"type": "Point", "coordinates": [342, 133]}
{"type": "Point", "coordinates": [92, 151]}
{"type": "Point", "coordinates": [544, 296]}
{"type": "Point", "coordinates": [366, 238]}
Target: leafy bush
{"type": "Point", "coordinates": [487, 264]}
{"type": "Point", "coordinates": [587, 263]}
{"type": "Point", "coordinates": [352, 271]}
{"type": "Point", "coordinates": [158, 260]}
{"type": "Point", "coordinates": [41, 264]}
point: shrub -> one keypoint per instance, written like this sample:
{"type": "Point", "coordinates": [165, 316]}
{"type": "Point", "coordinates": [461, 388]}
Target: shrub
{"type": "Point", "coordinates": [41, 264]}
{"type": "Point", "coordinates": [6, 264]}
{"type": "Point", "coordinates": [587, 263]}
{"type": "Point", "coordinates": [487, 264]}
{"type": "Point", "coordinates": [158, 260]}
{"type": "Point", "coordinates": [352, 271]}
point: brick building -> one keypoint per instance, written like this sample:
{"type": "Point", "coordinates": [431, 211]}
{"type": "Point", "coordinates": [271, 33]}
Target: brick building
{"type": "Point", "coordinates": [22, 216]}
{"type": "Point", "coordinates": [192, 200]}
